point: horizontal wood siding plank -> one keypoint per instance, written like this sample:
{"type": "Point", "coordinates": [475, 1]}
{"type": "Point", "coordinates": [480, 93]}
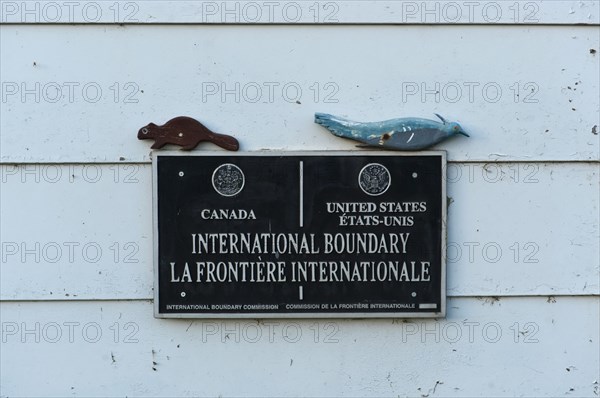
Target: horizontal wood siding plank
{"type": "Point", "coordinates": [525, 12]}
{"type": "Point", "coordinates": [527, 347]}
{"type": "Point", "coordinates": [529, 93]}
{"type": "Point", "coordinates": [85, 231]}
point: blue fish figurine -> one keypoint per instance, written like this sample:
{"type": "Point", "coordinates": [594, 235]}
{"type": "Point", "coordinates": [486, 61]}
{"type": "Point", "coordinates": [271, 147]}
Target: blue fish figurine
{"type": "Point", "coordinates": [406, 134]}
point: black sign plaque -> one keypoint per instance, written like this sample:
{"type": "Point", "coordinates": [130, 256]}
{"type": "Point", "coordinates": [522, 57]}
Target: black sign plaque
{"type": "Point", "coordinates": [303, 235]}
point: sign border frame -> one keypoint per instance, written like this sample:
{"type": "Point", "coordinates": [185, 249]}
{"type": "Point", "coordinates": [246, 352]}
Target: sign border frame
{"type": "Point", "coordinates": [305, 315]}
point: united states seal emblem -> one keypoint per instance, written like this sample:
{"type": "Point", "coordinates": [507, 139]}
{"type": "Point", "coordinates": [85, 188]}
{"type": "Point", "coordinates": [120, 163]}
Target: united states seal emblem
{"type": "Point", "coordinates": [374, 179]}
{"type": "Point", "coordinates": [228, 180]}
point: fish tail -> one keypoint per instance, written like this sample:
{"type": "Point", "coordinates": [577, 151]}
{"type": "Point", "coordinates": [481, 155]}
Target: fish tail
{"type": "Point", "coordinates": [337, 125]}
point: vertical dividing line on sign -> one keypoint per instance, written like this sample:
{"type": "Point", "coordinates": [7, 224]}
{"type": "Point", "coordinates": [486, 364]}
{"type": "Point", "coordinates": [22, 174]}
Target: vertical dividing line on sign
{"type": "Point", "coordinates": [300, 293]}
{"type": "Point", "coordinates": [301, 202]}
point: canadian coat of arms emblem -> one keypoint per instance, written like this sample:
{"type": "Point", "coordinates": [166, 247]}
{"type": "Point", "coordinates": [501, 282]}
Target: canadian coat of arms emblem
{"type": "Point", "coordinates": [228, 179]}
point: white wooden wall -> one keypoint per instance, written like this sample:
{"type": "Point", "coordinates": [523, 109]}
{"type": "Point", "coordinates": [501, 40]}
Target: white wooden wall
{"type": "Point", "coordinates": [80, 78]}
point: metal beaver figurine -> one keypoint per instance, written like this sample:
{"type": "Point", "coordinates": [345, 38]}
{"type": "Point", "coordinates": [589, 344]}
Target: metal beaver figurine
{"type": "Point", "coordinates": [407, 134]}
{"type": "Point", "coordinates": [186, 132]}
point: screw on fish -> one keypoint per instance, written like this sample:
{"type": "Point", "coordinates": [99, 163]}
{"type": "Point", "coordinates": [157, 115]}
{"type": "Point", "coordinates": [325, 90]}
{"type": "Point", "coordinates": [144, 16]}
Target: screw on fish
{"type": "Point", "coordinates": [405, 134]}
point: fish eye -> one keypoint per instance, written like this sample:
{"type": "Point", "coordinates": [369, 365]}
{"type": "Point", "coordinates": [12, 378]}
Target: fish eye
{"type": "Point", "coordinates": [145, 130]}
